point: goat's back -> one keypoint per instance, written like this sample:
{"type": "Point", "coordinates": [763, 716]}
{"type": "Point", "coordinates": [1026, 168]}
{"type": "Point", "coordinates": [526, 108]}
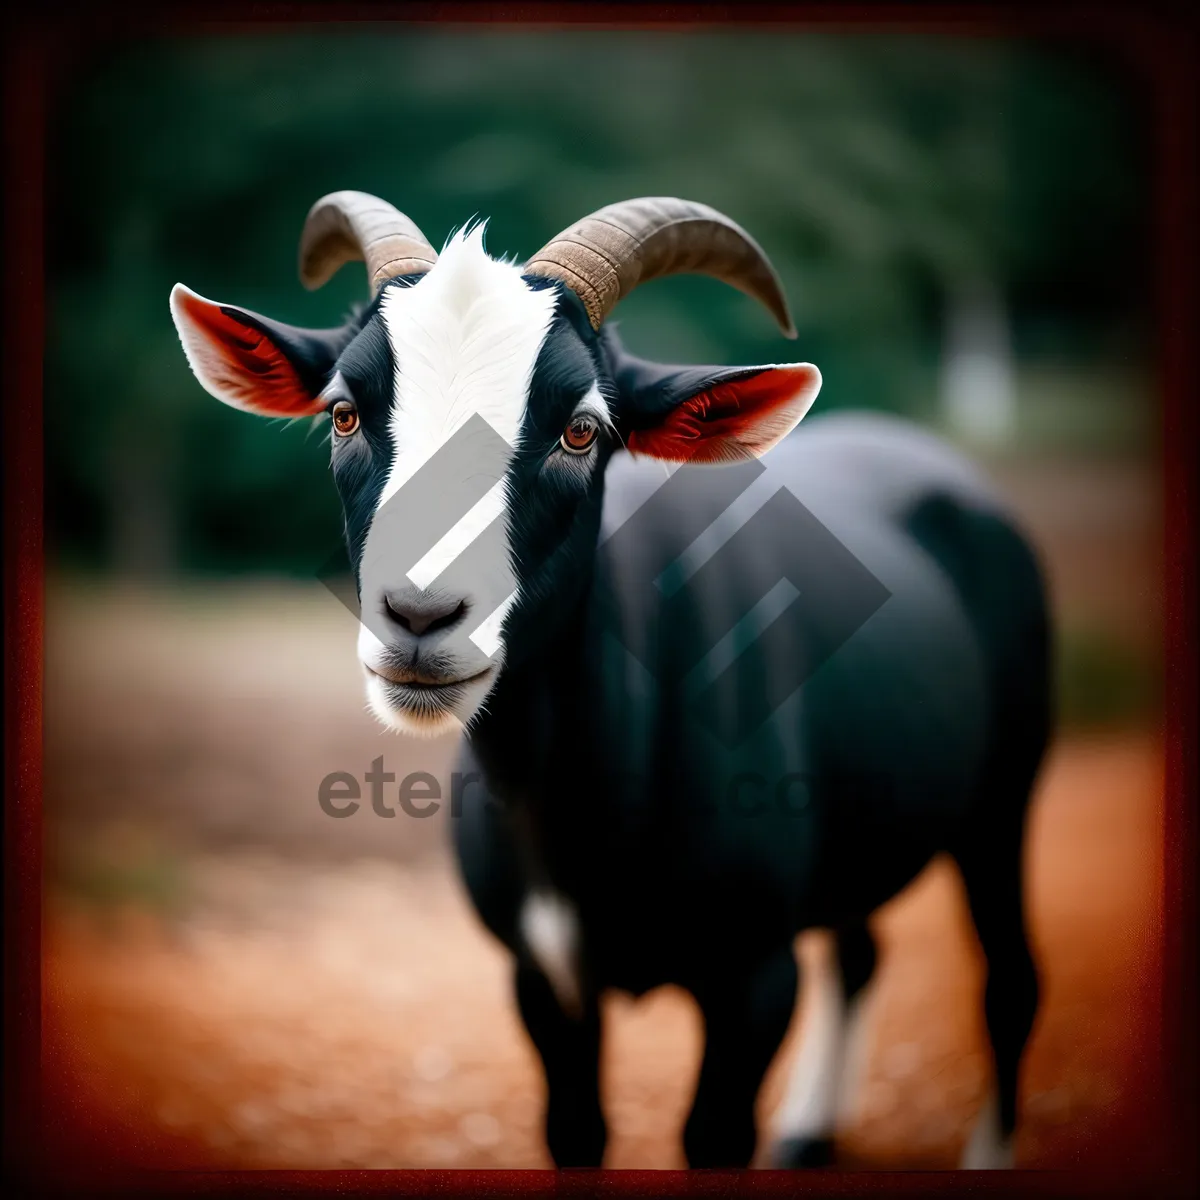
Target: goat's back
{"type": "Point", "coordinates": [691, 824]}
{"type": "Point", "coordinates": [895, 610]}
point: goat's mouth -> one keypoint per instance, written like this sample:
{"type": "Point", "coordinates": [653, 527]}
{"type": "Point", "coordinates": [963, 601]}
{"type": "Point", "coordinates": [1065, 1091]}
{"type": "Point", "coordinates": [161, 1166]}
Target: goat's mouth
{"type": "Point", "coordinates": [422, 706]}
{"type": "Point", "coordinates": [420, 681]}
{"type": "Point", "coordinates": [422, 703]}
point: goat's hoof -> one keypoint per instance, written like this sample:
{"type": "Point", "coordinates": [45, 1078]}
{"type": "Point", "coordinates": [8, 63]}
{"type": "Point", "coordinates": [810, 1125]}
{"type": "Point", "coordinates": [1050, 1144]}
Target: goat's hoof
{"type": "Point", "coordinates": [982, 1156]}
{"type": "Point", "coordinates": [796, 1152]}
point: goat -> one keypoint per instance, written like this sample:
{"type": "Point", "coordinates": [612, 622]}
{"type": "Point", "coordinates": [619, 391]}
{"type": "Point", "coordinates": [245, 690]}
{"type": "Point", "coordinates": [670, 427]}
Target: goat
{"type": "Point", "coordinates": [527, 571]}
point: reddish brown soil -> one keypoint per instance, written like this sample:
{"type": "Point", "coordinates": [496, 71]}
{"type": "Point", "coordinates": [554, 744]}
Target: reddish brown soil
{"type": "Point", "coordinates": [349, 1011]}
{"type": "Point", "coordinates": [233, 979]}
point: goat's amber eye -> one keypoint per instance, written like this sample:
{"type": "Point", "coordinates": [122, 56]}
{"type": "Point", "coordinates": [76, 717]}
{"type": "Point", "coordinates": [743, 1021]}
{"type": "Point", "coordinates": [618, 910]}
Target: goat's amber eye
{"type": "Point", "coordinates": [345, 418]}
{"type": "Point", "coordinates": [579, 435]}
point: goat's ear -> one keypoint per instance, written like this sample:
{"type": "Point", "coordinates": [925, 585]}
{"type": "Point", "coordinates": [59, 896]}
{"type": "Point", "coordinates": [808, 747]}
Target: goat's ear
{"type": "Point", "coordinates": [711, 414]}
{"type": "Point", "coordinates": [251, 362]}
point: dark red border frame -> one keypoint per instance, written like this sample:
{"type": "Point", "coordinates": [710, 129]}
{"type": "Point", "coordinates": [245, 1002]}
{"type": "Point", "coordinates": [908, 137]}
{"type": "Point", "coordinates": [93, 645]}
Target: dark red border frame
{"type": "Point", "coordinates": [1158, 47]}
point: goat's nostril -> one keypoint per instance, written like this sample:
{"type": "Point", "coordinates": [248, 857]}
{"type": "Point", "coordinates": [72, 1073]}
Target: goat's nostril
{"type": "Point", "coordinates": [421, 614]}
{"type": "Point", "coordinates": [401, 619]}
{"type": "Point", "coordinates": [453, 617]}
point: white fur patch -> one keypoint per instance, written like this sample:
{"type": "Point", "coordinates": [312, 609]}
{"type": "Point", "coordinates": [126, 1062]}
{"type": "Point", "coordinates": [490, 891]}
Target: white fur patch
{"type": "Point", "coordinates": [551, 931]}
{"type": "Point", "coordinates": [464, 338]}
{"type": "Point", "coordinates": [402, 721]}
{"type": "Point", "coordinates": [822, 1090]}
{"type": "Point", "coordinates": [595, 405]}
{"type": "Point", "coordinates": [988, 1149]}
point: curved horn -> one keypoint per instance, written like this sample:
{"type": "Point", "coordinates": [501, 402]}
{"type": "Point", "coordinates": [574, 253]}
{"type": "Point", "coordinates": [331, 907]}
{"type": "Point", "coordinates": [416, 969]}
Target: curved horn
{"type": "Point", "coordinates": [347, 226]}
{"type": "Point", "coordinates": [606, 255]}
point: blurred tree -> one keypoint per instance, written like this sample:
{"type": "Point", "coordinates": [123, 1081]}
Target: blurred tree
{"type": "Point", "coordinates": [881, 173]}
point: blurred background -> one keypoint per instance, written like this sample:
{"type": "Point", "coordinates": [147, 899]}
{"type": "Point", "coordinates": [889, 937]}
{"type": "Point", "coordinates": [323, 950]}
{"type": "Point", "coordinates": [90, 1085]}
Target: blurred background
{"type": "Point", "coordinates": [233, 978]}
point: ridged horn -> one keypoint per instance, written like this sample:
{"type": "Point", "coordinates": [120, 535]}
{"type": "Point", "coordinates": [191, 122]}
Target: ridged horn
{"type": "Point", "coordinates": [348, 226]}
{"type": "Point", "coordinates": [606, 255]}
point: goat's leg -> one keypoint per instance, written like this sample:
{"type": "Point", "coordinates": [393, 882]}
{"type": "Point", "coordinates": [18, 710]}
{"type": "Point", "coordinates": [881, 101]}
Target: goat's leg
{"type": "Point", "coordinates": [991, 871]}
{"type": "Point", "coordinates": [826, 1072]}
{"type": "Point", "coordinates": [745, 1018]}
{"type": "Point", "coordinates": [569, 1046]}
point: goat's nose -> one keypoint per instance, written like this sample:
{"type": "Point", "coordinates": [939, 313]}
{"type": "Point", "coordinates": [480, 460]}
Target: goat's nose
{"type": "Point", "coordinates": [421, 614]}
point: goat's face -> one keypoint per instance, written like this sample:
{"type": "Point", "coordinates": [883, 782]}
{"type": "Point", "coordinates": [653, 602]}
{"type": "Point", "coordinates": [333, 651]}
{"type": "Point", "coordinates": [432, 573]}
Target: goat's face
{"type": "Point", "coordinates": [473, 409]}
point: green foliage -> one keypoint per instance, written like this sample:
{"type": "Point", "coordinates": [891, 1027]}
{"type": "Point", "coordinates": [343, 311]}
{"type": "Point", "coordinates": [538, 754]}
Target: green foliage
{"type": "Point", "coordinates": [874, 170]}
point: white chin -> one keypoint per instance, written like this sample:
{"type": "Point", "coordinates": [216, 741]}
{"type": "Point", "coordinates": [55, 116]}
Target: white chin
{"type": "Point", "coordinates": [423, 724]}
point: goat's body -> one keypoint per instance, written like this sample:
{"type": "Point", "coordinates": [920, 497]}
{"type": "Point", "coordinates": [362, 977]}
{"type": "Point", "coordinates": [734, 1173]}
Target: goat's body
{"type": "Point", "coordinates": [688, 861]}
{"type": "Point", "coordinates": [677, 850]}
{"type": "Point", "coordinates": [758, 701]}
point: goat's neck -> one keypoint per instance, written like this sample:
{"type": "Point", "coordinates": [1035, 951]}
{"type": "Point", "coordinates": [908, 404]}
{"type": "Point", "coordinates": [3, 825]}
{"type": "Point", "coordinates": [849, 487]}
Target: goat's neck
{"type": "Point", "coordinates": [529, 713]}
{"type": "Point", "coordinates": [527, 745]}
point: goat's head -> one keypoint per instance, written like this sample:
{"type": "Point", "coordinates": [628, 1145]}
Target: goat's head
{"type": "Point", "coordinates": [474, 406]}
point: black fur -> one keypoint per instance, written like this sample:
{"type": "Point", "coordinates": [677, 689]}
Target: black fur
{"type": "Point", "coordinates": [921, 734]}
{"type": "Point", "coordinates": [364, 374]}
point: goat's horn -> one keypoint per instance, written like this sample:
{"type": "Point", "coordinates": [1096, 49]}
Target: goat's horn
{"type": "Point", "coordinates": [347, 226]}
{"type": "Point", "coordinates": [606, 255]}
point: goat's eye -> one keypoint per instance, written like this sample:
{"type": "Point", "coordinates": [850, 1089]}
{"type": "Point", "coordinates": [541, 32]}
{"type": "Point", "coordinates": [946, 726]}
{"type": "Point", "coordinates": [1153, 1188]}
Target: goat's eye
{"type": "Point", "coordinates": [345, 418]}
{"type": "Point", "coordinates": [579, 435]}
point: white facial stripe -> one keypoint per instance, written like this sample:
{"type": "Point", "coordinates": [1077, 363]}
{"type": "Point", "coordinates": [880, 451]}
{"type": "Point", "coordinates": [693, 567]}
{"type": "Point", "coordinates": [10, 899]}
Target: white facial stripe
{"type": "Point", "coordinates": [464, 340]}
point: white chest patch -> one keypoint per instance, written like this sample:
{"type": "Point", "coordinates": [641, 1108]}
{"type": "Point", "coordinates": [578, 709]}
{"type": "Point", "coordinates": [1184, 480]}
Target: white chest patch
{"type": "Point", "coordinates": [550, 928]}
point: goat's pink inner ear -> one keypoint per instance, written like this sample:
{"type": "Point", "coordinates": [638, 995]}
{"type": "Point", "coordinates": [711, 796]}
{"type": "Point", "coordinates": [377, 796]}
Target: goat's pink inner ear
{"type": "Point", "coordinates": [238, 363]}
{"type": "Point", "coordinates": [737, 418]}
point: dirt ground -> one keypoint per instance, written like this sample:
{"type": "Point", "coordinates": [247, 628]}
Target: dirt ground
{"type": "Point", "coordinates": [233, 979]}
